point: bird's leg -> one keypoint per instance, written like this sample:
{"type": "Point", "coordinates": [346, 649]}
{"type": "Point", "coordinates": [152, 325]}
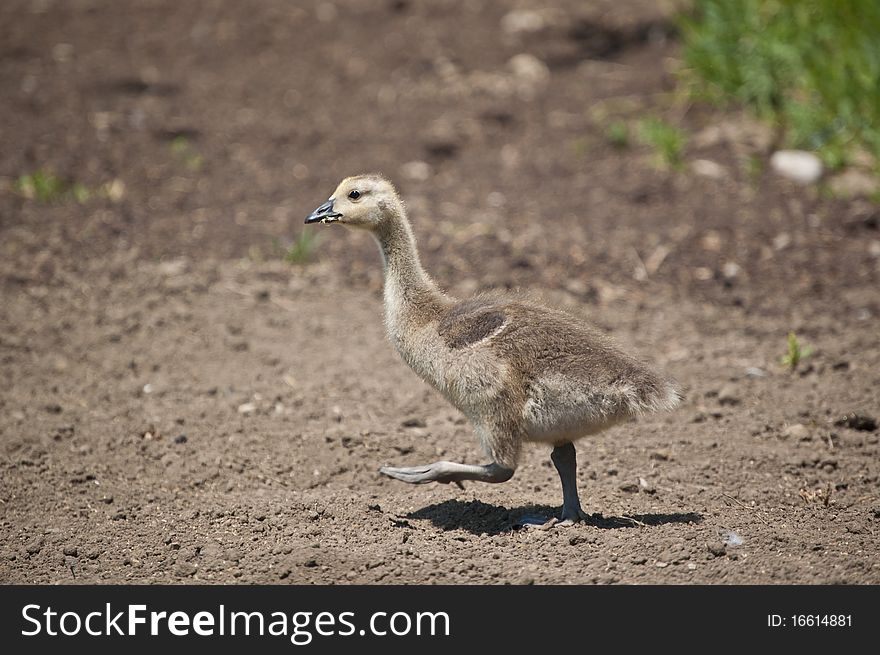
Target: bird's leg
{"type": "Point", "coordinates": [448, 472]}
{"type": "Point", "coordinates": [565, 460]}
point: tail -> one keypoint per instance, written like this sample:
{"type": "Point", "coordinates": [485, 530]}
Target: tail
{"type": "Point", "coordinates": [669, 396]}
{"type": "Point", "coordinates": [654, 394]}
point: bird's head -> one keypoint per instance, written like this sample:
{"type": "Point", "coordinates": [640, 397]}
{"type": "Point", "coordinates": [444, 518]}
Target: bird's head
{"type": "Point", "coordinates": [364, 201]}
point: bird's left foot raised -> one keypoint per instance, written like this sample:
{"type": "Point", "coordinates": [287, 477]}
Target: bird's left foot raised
{"type": "Point", "coordinates": [417, 474]}
{"type": "Point", "coordinates": [448, 472]}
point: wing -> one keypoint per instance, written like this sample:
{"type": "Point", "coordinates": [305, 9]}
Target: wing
{"type": "Point", "coordinates": [468, 322]}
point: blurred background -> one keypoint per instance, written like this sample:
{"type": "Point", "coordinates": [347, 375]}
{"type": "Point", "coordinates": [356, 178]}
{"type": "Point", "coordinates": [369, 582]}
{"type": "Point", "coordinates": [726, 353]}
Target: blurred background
{"type": "Point", "coordinates": [629, 141]}
{"type": "Point", "coordinates": [700, 178]}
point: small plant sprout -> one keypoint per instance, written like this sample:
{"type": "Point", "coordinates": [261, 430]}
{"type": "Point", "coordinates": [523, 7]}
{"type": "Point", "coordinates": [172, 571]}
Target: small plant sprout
{"type": "Point", "coordinates": [179, 145]}
{"type": "Point", "coordinates": [302, 250]}
{"type": "Point", "coordinates": [46, 187]}
{"type": "Point", "coordinates": [81, 192]}
{"type": "Point", "coordinates": [181, 148]}
{"type": "Point", "coordinates": [796, 352]}
{"type": "Point", "coordinates": [43, 186]}
{"type": "Point", "coordinates": [667, 141]}
{"type": "Point", "coordinates": [618, 134]}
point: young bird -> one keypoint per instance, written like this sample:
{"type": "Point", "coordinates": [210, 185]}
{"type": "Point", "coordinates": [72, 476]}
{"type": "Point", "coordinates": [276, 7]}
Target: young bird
{"type": "Point", "coordinates": [520, 372]}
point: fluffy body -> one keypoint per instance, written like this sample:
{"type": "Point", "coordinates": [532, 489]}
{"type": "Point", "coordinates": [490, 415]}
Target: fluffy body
{"type": "Point", "coordinates": [522, 372]}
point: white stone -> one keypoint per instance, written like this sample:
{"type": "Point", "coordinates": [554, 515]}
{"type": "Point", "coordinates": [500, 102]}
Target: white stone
{"type": "Point", "coordinates": [172, 267]}
{"type": "Point", "coordinates": [798, 165]}
{"type": "Point", "coordinates": [528, 67]}
{"type": "Point", "coordinates": [797, 431]}
{"type": "Point", "coordinates": [708, 168]}
{"type": "Point", "coordinates": [730, 270]}
{"type": "Point", "coordinates": [781, 241]}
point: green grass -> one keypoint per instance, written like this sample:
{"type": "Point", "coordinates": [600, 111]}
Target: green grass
{"type": "Point", "coordinates": [302, 250]}
{"type": "Point", "coordinates": [812, 68]}
{"type": "Point", "coordinates": [618, 134]}
{"type": "Point", "coordinates": [182, 149]}
{"type": "Point", "coordinates": [46, 187]}
{"type": "Point", "coordinates": [667, 141]}
{"type": "Point", "coordinates": [42, 186]}
{"type": "Point", "coordinates": [796, 352]}
{"type": "Point", "coordinates": [80, 192]}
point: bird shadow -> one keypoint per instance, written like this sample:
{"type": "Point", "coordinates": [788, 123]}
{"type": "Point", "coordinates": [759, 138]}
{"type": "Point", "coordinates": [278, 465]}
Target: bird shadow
{"type": "Point", "coordinates": [481, 518]}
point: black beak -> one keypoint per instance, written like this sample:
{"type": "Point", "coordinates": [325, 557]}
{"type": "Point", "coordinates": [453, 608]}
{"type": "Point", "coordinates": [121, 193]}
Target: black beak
{"type": "Point", "coordinates": [324, 214]}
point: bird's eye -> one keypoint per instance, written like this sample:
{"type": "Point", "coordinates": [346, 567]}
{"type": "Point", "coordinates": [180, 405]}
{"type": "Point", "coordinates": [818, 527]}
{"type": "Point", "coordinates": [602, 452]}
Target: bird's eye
{"type": "Point", "coordinates": [354, 195]}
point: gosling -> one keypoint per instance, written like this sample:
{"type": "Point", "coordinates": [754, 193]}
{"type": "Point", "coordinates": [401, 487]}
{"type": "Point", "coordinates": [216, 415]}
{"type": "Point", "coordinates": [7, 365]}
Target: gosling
{"type": "Point", "coordinates": [520, 372]}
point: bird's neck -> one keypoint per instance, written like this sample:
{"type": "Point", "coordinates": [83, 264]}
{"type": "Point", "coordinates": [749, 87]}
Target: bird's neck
{"type": "Point", "coordinates": [407, 285]}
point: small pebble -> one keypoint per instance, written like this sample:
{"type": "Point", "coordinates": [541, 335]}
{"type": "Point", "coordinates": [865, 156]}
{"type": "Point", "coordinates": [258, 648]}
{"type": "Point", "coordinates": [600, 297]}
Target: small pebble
{"type": "Point", "coordinates": [797, 431]}
{"type": "Point", "coordinates": [853, 183]}
{"type": "Point", "coordinates": [184, 569]}
{"type": "Point", "coordinates": [708, 168]}
{"type": "Point", "coordinates": [716, 549]}
{"type": "Point", "coordinates": [728, 395]}
{"type": "Point", "coordinates": [798, 165]}
{"type": "Point", "coordinates": [528, 67]}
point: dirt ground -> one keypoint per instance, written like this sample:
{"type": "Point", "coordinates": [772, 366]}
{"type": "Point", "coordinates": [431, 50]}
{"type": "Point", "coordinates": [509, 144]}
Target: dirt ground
{"type": "Point", "coordinates": [179, 404]}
